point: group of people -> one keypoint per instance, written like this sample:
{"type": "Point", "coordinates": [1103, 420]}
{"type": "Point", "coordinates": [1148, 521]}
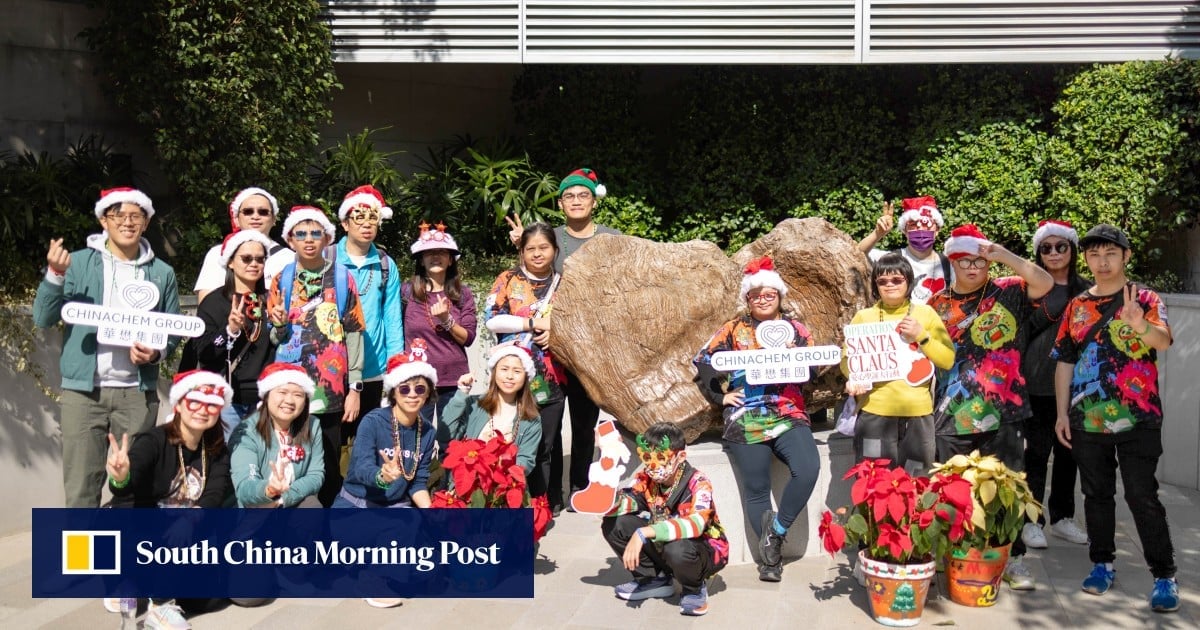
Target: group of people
{"type": "Point", "coordinates": [309, 344]}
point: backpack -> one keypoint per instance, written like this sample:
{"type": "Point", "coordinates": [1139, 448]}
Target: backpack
{"type": "Point", "coordinates": [385, 266]}
{"type": "Point", "coordinates": [287, 278]}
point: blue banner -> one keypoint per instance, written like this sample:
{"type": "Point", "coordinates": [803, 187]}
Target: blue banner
{"type": "Point", "coordinates": [282, 553]}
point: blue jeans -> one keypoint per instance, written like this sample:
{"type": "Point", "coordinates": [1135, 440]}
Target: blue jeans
{"type": "Point", "coordinates": [232, 415]}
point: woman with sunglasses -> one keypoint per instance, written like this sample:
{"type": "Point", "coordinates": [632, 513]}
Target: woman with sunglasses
{"type": "Point", "coordinates": [1056, 249]}
{"type": "Point", "coordinates": [181, 464]}
{"type": "Point", "coordinates": [251, 209]}
{"type": "Point", "coordinates": [236, 341]}
{"type": "Point", "coordinates": [762, 421]}
{"type": "Point", "coordinates": [506, 410]}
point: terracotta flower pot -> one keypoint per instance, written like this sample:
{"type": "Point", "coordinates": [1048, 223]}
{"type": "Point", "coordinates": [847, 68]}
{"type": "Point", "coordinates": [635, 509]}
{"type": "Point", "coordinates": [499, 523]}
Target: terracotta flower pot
{"type": "Point", "coordinates": [974, 576]}
{"type": "Point", "coordinates": [897, 591]}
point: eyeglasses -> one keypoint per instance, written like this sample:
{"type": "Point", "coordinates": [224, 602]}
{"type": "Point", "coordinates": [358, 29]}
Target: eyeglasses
{"type": "Point", "coordinates": [248, 259]}
{"type": "Point", "coordinates": [419, 390]}
{"type": "Point", "coordinates": [583, 196]}
{"type": "Point", "coordinates": [763, 298]}
{"type": "Point", "coordinates": [197, 405]}
{"type": "Point", "coordinates": [890, 281]}
{"type": "Point", "coordinates": [972, 263]}
{"type": "Point", "coordinates": [262, 212]}
{"type": "Point", "coordinates": [134, 218]}
{"type": "Point", "coordinates": [303, 235]}
{"type": "Point", "coordinates": [1061, 247]}
{"type": "Point", "coordinates": [365, 217]}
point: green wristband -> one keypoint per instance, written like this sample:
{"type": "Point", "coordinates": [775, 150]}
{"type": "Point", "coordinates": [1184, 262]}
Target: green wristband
{"type": "Point", "coordinates": [379, 480]}
{"type": "Point", "coordinates": [113, 482]}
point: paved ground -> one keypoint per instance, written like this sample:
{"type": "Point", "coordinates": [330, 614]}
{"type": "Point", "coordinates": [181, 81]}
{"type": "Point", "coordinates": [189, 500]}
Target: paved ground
{"type": "Point", "coordinates": [575, 574]}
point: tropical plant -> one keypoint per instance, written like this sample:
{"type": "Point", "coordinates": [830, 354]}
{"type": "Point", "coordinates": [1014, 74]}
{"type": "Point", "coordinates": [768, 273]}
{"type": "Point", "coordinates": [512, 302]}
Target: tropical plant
{"type": "Point", "coordinates": [899, 518]}
{"type": "Point", "coordinates": [487, 475]}
{"type": "Point", "coordinates": [1001, 500]}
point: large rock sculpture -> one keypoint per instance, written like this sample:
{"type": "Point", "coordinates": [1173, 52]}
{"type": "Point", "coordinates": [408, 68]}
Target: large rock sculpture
{"type": "Point", "coordinates": [630, 314]}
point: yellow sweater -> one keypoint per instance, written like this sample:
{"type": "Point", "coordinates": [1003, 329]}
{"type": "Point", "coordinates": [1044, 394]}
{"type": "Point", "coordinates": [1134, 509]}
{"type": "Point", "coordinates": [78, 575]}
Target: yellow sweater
{"type": "Point", "coordinates": [898, 398]}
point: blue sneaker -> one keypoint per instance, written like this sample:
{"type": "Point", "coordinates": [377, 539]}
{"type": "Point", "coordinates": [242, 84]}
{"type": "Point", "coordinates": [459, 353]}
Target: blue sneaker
{"type": "Point", "coordinates": [1165, 596]}
{"type": "Point", "coordinates": [636, 590]}
{"type": "Point", "coordinates": [1100, 580]}
{"type": "Point", "coordinates": [696, 604]}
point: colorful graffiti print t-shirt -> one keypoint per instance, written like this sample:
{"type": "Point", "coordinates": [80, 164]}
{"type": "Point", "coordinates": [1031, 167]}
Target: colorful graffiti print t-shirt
{"type": "Point", "coordinates": [1114, 387]}
{"type": "Point", "coordinates": [985, 387]}
{"type": "Point", "coordinates": [767, 410]}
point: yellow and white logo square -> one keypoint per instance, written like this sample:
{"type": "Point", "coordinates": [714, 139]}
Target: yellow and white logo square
{"type": "Point", "coordinates": [91, 552]}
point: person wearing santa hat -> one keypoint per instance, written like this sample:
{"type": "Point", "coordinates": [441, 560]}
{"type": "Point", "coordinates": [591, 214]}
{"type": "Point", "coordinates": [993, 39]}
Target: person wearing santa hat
{"type": "Point", "coordinates": [1056, 249]}
{"type": "Point", "coordinates": [235, 340]}
{"type": "Point", "coordinates": [181, 464]}
{"type": "Point", "coordinates": [251, 209]}
{"type": "Point", "coordinates": [106, 388]}
{"type": "Point", "coordinates": [317, 323]}
{"type": "Point", "coordinates": [762, 421]}
{"type": "Point", "coordinates": [919, 221]}
{"type": "Point", "coordinates": [983, 401]}
{"type": "Point", "coordinates": [506, 409]}
{"type": "Point", "coordinates": [278, 457]}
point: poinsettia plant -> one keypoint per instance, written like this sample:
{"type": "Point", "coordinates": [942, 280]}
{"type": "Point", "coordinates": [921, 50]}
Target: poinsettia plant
{"type": "Point", "coordinates": [1000, 499]}
{"type": "Point", "coordinates": [899, 518]}
{"type": "Point", "coordinates": [487, 475]}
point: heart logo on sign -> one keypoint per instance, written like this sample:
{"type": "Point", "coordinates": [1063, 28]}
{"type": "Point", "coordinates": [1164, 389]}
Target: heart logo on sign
{"type": "Point", "coordinates": [775, 333]}
{"type": "Point", "coordinates": [140, 295]}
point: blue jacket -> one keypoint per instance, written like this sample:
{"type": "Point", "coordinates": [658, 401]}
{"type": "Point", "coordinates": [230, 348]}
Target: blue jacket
{"type": "Point", "coordinates": [250, 464]}
{"type": "Point", "coordinates": [384, 332]}
{"type": "Point", "coordinates": [374, 435]}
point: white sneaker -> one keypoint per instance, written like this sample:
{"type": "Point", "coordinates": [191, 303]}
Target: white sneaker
{"type": "Point", "coordinates": [168, 616]}
{"type": "Point", "coordinates": [112, 604]}
{"type": "Point", "coordinates": [383, 602]}
{"type": "Point", "coordinates": [1018, 576]}
{"type": "Point", "coordinates": [1069, 531]}
{"type": "Point", "coordinates": [1033, 536]}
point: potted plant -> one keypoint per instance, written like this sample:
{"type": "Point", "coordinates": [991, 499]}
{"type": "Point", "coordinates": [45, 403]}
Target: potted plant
{"type": "Point", "coordinates": [898, 520]}
{"type": "Point", "coordinates": [486, 475]}
{"type": "Point", "coordinates": [1000, 503]}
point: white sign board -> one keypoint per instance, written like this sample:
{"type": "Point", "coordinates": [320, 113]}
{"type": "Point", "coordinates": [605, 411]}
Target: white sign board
{"type": "Point", "coordinates": [875, 353]}
{"type": "Point", "coordinates": [776, 362]}
{"type": "Point", "coordinates": [124, 327]}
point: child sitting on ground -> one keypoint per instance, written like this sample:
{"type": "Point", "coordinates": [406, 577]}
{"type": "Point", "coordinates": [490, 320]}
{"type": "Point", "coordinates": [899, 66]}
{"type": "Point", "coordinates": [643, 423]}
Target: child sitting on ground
{"type": "Point", "coordinates": [665, 526]}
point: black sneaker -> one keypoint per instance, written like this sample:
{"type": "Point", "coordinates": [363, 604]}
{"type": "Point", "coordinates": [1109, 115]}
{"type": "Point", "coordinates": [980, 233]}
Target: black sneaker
{"type": "Point", "coordinates": [770, 573]}
{"type": "Point", "coordinates": [771, 544]}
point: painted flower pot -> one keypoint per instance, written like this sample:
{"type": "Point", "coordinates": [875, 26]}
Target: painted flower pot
{"type": "Point", "coordinates": [897, 591]}
{"type": "Point", "coordinates": [973, 576]}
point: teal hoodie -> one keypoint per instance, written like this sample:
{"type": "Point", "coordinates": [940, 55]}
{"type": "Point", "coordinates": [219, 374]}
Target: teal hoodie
{"type": "Point", "coordinates": [84, 282]}
{"type": "Point", "coordinates": [250, 465]}
{"type": "Point", "coordinates": [382, 319]}
{"type": "Point", "coordinates": [466, 420]}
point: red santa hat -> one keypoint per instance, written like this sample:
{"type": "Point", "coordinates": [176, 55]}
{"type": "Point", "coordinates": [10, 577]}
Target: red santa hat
{"type": "Point", "coordinates": [235, 206]}
{"type": "Point", "coordinates": [201, 385]}
{"type": "Point", "coordinates": [511, 350]}
{"type": "Point", "coordinates": [277, 374]}
{"type": "Point", "coordinates": [404, 366]}
{"type": "Point", "coordinates": [760, 272]}
{"type": "Point", "coordinates": [917, 209]}
{"type": "Point", "coordinates": [307, 213]}
{"type": "Point", "coordinates": [965, 240]}
{"type": "Point", "coordinates": [241, 237]}
{"type": "Point", "coordinates": [364, 196]}
{"type": "Point", "coordinates": [114, 196]}
{"type": "Point", "coordinates": [1054, 227]}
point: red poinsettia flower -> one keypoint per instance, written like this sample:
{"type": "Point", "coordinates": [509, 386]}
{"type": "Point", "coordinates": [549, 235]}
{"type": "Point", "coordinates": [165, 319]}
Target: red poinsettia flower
{"type": "Point", "coordinates": [470, 466]}
{"type": "Point", "coordinates": [541, 516]}
{"type": "Point", "coordinates": [513, 487]}
{"type": "Point", "coordinates": [833, 536]}
{"type": "Point", "coordinates": [954, 490]}
{"type": "Point", "coordinates": [890, 494]}
{"type": "Point", "coordinates": [445, 499]}
{"type": "Point", "coordinates": [897, 541]}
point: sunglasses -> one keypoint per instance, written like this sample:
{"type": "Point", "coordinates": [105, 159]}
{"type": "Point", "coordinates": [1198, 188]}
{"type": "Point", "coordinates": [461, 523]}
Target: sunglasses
{"type": "Point", "coordinates": [197, 405]}
{"type": "Point", "coordinates": [250, 259]}
{"type": "Point", "coordinates": [1061, 247]}
{"type": "Point", "coordinates": [890, 281]}
{"type": "Point", "coordinates": [262, 212]}
{"type": "Point", "coordinates": [304, 235]}
{"type": "Point", "coordinates": [419, 390]}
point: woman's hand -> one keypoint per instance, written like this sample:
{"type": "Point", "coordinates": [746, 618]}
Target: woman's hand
{"type": "Point", "coordinates": [390, 471]}
{"type": "Point", "coordinates": [237, 319]}
{"type": "Point", "coordinates": [118, 459]}
{"type": "Point", "coordinates": [465, 382]}
{"type": "Point", "coordinates": [910, 329]}
{"type": "Point", "coordinates": [440, 310]}
{"type": "Point", "coordinates": [733, 398]}
{"type": "Point", "coordinates": [517, 230]}
{"type": "Point", "coordinates": [857, 389]}
{"type": "Point", "coordinates": [277, 484]}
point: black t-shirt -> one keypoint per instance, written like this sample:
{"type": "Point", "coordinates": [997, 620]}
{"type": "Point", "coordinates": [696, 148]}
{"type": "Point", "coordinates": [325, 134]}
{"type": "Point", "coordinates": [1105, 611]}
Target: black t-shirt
{"type": "Point", "coordinates": [156, 478]}
{"type": "Point", "coordinates": [213, 349]}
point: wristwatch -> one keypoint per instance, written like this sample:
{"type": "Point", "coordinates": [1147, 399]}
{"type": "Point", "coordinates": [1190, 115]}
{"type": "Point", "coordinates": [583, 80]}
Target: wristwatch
{"type": "Point", "coordinates": [356, 386]}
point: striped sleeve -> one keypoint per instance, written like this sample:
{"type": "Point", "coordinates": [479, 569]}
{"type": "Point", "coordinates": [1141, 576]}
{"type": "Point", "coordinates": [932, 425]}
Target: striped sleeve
{"type": "Point", "coordinates": [625, 504]}
{"type": "Point", "coordinates": [679, 528]}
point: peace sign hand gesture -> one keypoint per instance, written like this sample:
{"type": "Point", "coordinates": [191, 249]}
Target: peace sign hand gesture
{"type": "Point", "coordinates": [118, 458]}
{"type": "Point", "coordinates": [277, 484]}
{"type": "Point", "coordinates": [1132, 313]}
{"type": "Point", "coordinates": [514, 222]}
{"type": "Point", "coordinates": [278, 316]}
{"type": "Point", "coordinates": [237, 319]}
{"type": "Point", "coordinates": [886, 221]}
{"type": "Point", "coordinates": [390, 471]}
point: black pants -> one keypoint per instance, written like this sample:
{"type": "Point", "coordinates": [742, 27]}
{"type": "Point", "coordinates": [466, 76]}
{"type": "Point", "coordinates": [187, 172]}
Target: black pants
{"type": "Point", "coordinates": [1008, 445]}
{"type": "Point", "coordinates": [794, 447]}
{"type": "Point", "coordinates": [1040, 442]}
{"type": "Point", "coordinates": [906, 441]}
{"type": "Point", "coordinates": [331, 439]}
{"type": "Point", "coordinates": [584, 414]}
{"type": "Point", "coordinates": [368, 401]}
{"type": "Point", "coordinates": [689, 560]}
{"type": "Point", "coordinates": [548, 469]}
{"type": "Point", "coordinates": [1136, 453]}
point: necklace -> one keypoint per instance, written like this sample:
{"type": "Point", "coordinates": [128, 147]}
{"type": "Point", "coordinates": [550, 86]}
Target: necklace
{"type": "Point", "coordinates": [367, 286]}
{"type": "Point", "coordinates": [512, 435]}
{"type": "Point", "coordinates": [657, 499]}
{"type": "Point", "coordinates": [408, 476]}
{"type": "Point", "coordinates": [203, 467]}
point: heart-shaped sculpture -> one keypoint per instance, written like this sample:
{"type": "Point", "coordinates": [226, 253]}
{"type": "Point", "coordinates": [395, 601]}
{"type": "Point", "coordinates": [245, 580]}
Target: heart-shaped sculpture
{"type": "Point", "coordinates": [139, 295]}
{"type": "Point", "coordinates": [631, 314]}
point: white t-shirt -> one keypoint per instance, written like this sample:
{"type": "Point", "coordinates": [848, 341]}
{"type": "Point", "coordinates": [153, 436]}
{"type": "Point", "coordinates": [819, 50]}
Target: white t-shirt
{"type": "Point", "coordinates": [212, 274]}
{"type": "Point", "coordinates": [928, 276]}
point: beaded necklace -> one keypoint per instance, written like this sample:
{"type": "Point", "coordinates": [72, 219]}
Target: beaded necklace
{"type": "Point", "coordinates": [510, 437]}
{"type": "Point", "coordinates": [367, 284]}
{"type": "Point", "coordinates": [657, 499]}
{"type": "Point", "coordinates": [408, 476]}
{"type": "Point", "coordinates": [203, 466]}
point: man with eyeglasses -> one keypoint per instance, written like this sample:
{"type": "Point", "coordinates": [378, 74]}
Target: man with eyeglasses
{"type": "Point", "coordinates": [920, 221]}
{"type": "Point", "coordinates": [317, 322]}
{"type": "Point", "coordinates": [983, 401]}
{"type": "Point", "coordinates": [251, 209]}
{"type": "Point", "coordinates": [361, 213]}
{"type": "Point", "coordinates": [106, 389]}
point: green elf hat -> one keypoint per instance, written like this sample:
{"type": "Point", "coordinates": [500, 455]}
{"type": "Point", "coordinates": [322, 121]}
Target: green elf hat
{"type": "Point", "coordinates": [585, 177]}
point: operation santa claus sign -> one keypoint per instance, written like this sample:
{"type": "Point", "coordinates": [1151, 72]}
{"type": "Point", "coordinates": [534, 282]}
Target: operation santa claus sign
{"type": "Point", "coordinates": [875, 353]}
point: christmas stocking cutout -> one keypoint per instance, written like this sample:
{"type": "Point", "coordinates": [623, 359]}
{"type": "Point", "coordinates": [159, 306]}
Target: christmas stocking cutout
{"type": "Point", "coordinates": [604, 475]}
